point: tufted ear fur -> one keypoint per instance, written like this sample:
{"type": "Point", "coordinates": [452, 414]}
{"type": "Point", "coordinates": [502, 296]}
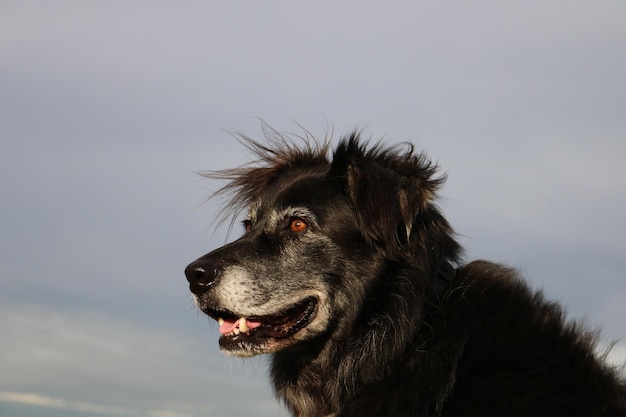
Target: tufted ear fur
{"type": "Point", "coordinates": [392, 192]}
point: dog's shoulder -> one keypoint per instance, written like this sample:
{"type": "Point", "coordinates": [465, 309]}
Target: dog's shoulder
{"type": "Point", "coordinates": [509, 339]}
{"type": "Point", "coordinates": [494, 298]}
{"type": "Point", "coordinates": [487, 281]}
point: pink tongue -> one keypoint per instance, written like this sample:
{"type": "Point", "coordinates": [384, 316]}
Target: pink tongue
{"type": "Point", "coordinates": [230, 325]}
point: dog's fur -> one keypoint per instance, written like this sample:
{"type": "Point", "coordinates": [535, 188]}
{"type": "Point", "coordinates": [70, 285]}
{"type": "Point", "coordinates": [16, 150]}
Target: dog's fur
{"type": "Point", "coordinates": [355, 281]}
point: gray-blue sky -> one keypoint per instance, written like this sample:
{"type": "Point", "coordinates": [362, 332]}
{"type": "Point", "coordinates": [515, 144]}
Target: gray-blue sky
{"type": "Point", "coordinates": [108, 108]}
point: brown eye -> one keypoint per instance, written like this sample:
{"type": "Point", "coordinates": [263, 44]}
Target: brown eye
{"type": "Point", "coordinates": [298, 225]}
{"type": "Point", "coordinates": [247, 224]}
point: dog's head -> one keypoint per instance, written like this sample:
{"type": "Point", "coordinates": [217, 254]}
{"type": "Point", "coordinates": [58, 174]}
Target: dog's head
{"type": "Point", "coordinates": [318, 235]}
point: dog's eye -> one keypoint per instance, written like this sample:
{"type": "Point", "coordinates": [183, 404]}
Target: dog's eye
{"type": "Point", "coordinates": [247, 225]}
{"type": "Point", "coordinates": [298, 225]}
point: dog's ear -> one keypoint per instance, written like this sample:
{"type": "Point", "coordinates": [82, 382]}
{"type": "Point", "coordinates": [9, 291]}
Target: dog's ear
{"type": "Point", "coordinates": [387, 189]}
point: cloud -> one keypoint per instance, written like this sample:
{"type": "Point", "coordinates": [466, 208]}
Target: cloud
{"type": "Point", "coordinates": [91, 362]}
{"type": "Point", "coordinates": [615, 356]}
{"type": "Point", "coordinates": [50, 402]}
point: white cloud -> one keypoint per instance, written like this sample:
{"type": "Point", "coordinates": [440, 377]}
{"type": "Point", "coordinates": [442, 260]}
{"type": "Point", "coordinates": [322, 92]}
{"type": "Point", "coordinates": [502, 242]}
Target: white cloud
{"type": "Point", "coordinates": [87, 361]}
{"type": "Point", "coordinates": [51, 402]}
{"type": "Point", "coordinates": [615, 355]}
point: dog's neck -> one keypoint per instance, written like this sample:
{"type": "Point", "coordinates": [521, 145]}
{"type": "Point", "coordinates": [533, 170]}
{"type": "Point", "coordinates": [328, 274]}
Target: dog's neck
{"type": "Point", "coordinates": [306, 397]}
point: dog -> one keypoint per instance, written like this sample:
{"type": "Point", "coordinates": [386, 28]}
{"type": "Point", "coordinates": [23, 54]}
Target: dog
{"type": "Point", "coordinates": [351, 278]}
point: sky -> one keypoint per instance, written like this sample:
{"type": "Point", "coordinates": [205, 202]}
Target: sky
{"type": "Point", "coordinates": [108, 109]}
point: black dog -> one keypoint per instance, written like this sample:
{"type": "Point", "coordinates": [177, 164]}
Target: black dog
{"type": "Point", "coordinates": [349, 275]}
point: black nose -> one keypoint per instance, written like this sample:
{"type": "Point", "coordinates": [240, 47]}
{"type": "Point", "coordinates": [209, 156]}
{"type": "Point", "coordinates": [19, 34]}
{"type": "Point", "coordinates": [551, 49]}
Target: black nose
{"type": "Point", "coordinates": [201, 276]}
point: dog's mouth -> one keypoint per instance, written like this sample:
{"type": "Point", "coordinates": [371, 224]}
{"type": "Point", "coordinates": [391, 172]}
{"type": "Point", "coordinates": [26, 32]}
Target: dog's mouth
{"type": "Point", "coordinates": [255, 334]}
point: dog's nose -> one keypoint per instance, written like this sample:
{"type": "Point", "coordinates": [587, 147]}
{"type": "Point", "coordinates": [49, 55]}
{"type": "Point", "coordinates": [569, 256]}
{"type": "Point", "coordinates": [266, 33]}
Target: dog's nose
{"type": "Point", "coordinates": [201, 276]}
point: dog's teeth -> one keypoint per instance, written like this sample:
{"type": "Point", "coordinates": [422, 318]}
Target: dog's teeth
{"type": "Point", "coordinates": [220, 321]}
{"type": "Point", "coordinates": [236, 331]}
{"type": "Point", "coordinates": [243, 326]}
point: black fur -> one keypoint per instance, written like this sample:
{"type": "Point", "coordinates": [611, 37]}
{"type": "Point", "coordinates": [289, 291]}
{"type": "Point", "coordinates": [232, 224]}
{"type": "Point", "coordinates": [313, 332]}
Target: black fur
{"type": "Point", "coordinates": [397, 331]}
